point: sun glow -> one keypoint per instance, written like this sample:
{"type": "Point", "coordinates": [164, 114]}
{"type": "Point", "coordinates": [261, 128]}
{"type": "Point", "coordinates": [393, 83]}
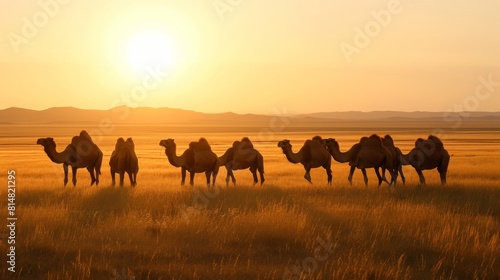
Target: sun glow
{"type": "Point", "coordinates": [150, 49]}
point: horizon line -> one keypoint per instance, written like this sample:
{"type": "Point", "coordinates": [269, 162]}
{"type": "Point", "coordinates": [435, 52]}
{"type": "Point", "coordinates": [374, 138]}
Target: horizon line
{"type": "Point", "coordinates": [237, 113]}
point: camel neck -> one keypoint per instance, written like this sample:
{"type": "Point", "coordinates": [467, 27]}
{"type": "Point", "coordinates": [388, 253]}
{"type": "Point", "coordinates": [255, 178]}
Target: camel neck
{"type": "Point", "coordinates": [405, 159]}
{"type": "Point", "coordinates": [54, 155]}
{"type": "Point", "coordinates": [291, 156]}
{"type": "Point", "coordinates": [173, 158]}
{"type": "Point", "coordinates": [223, 158]}
{"type": "Point", "coordinates": [340, 156]}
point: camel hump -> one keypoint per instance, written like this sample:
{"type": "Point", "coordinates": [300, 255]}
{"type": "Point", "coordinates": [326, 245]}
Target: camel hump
{"type": "Point", "coordinates": [201, 145]}
{"type": "Point", "coordinates": [317, 138]}
{"type": "Point", "coordinates": [86, 136]}
{"type": "Point", "coordinates": [374, 139]}
{"type": "Point", "coordinates": [75, 140]}
{"type": "Point", "coordinates": [246, 143]}
{"type": "Point", "coordinates": [436, 140]}
{"type": "Point", "coordinates": [119, 143]}
{"type": "Point", "coordinates": [236, 144]}
{"type": "Point", "coordinates": [388, 140]}
{"type": "Point", "coordinates": [419, 141]}
{"type": "Point", "coordinates": [131, 142]}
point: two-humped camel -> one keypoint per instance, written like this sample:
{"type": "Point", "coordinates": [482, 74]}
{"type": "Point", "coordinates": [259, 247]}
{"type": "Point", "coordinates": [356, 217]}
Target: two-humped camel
{"type": "Point", "coordinates": [80, 153]}
{"type": "Point", "coordinates": [123, 159]}
{"type": "Point", "coordinates": [313, 154]}
{"type": "Point", "coordinates": [198, 158]}
{"type": "Point", "coordinates": [370, 152]}
{"type": "Point", "coordinates": [242, 155]}
{"type": "Point", "coordinates": [428, 154]}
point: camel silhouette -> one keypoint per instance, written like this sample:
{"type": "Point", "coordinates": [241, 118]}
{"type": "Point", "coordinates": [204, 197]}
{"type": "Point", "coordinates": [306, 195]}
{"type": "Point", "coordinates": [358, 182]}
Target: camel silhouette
{"type": "Point", "coordinates": [80, 153]}
{"type": "Point", "coordinates": [428, 154]}
{"type": "Point", "coordinates": [242, 155]}
{"type": "Point", "coordinates": [370, 152]}
{"type": "Point", "coordinates": [123, 159]}
{"type": "Point", "coordinates": [198, 158]}
{"type": "Point", "coordinates": [313, 154]}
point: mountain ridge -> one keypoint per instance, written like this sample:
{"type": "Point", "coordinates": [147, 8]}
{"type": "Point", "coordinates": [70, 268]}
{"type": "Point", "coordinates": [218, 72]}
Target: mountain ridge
{"type": "Point", "coordinates": [165, 115]}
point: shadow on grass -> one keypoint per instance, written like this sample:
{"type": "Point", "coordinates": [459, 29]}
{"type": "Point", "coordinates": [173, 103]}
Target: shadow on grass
{"type": "Point", "coordinates": [101, 204]}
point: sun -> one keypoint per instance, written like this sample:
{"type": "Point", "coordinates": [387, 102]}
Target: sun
{"type": "Point", "coordinates": [150, 49]}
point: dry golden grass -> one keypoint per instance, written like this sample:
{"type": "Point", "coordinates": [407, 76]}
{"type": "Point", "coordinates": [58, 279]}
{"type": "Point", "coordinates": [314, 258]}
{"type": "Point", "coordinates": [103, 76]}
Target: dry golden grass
{"type": "Point", "coordinates": [160, 230]}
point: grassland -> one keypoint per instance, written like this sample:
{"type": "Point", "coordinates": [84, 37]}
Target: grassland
{"type": "Point", "coordinates": [285, 229]}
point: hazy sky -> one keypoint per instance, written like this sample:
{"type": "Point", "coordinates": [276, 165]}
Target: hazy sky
{"type": "Point", "coordinates": [251, 56]}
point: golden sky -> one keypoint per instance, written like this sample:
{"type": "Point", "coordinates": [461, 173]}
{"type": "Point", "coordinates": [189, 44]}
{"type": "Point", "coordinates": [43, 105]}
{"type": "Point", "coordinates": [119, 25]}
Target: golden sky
{"type": "Point", "coordinates": [251, 56]}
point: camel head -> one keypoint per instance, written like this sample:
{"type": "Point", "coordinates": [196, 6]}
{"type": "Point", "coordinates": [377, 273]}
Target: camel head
{"type": "Point", "coordinates": [285, 144]}
{"type": "Point", "coordinates": [331, 144]}
{"type": "Point", "coordinates": [168, 144]}
{"type": "Point", "coordinates": [46, 142]}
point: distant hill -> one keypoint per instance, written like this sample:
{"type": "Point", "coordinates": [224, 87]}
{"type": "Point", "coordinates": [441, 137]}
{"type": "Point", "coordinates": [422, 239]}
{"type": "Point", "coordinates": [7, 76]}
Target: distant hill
{"type": "Point", "coordinates": [394, 115]}
{"type": "Point", "coordinates": [170, 116]}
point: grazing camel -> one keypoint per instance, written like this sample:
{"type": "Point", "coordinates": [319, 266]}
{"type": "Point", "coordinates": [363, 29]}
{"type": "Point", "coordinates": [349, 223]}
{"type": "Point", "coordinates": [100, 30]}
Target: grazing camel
{"type": "Point", "coordinates": [368, 153]}
{"type": "Point", "coordinates": [242, 155]}
{"type": "Point", "coordinates": [428, 154]}
{"type": "Point", "coordinates": [313, 154]}
{"type": "Point", "coordinates": [81, 153]}
{"type": "Point", "coordinates": [123, 159]}
{"type": "Point", "coordinates": [197, 158]}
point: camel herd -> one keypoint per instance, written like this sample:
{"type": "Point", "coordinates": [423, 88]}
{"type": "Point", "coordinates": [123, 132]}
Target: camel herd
{"type": "Point", "coordinates": [375, 152]}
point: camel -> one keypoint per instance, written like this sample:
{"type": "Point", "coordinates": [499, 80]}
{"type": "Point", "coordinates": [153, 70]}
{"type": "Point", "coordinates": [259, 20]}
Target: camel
{"type": "Point", "coordinates": [81, 153]}
{"type": "Point", "coordinates": [368, 153]}
{"type": "Point", "coordinates": [242, 155]}
{"type": "Point", "coordinates": [313, 154]}
{"type": "Point", "coordinates": [123, 159]}
{"type": "Point", "coordinates": [198, 158]}
{"type": "Point", "coordinates": [396, 156]}
{"type": "Point", "coordinates": [428, 154]}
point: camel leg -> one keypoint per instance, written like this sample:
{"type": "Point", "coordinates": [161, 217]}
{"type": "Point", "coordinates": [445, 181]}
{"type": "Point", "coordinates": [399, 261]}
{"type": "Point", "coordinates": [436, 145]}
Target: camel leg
{"type": "Point", "coordinates": [365, 177]}
{"type": "Point", "coordinates": [207, 174]}
{"type": "Point", "coordinates": [442, 169]}
{"type": "Point", "coordinates": [191, 178]}
{"type": "Point", "coordinates": [400, 167]}
{"type": "Point", "coordinates": [233, 179]}
{"type": "Point", "coordinates": [215, 171]}
{"type": "Point", "coordinates": [253, 170]}
{"type": "Point", "coordinates": [113, 177]}
{"type": "Point", "coordinates": [383, 173]}
{"type": "Point", "coordinates": [307, 176]}
{"type": "Point", "coordinates": [421, 176]}
{"type": "Point", "coordinates": [135, 179]}
{"type": "Point", "coordinates": [329, 174]}
{"type": "Point", "coordinates": [73, 169]}
{"type": "Point", "coordinates": [227, 177]}
{"type": "Point", "coordinates": [261, 172]}
{"type": "Point", "coordinates": [351, 172]}
{"type": "Point", "coordinates": [132, 181]}
{"type": "Point", "coordinates": [442, 175]}
{"type": "Point", "coordinates": [92, 176]}
{"type": "Point", "coordinates": [214, 177]}
{"type": "Point", "coordinates": [65, 167]}
{"type": "Point", "coordinates": [97, 172]}
{"type": "Point", "coordinates": [183, 176]}
{"type": "Point", "coordinates": [380, 178]}
{"type": "Point", "coordinates": [122, 177]}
